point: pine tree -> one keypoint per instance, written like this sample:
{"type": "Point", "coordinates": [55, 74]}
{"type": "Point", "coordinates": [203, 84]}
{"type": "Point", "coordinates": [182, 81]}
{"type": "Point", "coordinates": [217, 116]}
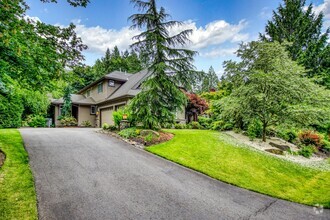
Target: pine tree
{"type": "Point", "coordinates": [169, 67]}
{"type": "Point", "coordinates": [303, 30]}
{"type": "Point", "coordinates": [210, 80]}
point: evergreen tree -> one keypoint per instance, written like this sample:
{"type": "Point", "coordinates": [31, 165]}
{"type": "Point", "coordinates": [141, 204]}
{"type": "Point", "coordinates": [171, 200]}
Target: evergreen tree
{"type": "Point", "coordinates": [303, 30]}
{"type": "Point", "coordinates": [210, 80]}
{"type": "Point", "coordinates": [168, 67]}
{"type": "Point", "coordinates": [66, 110]}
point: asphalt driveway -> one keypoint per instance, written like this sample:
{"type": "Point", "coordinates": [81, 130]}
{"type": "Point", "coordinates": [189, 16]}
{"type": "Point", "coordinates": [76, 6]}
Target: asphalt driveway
{"type": "Point", "coordinates": [81, 174]}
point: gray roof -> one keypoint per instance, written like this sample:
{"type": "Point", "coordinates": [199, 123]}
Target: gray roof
{"type": "Point", "coordinates": [130, 87]}
{"type": "Point", "coordinates": [117, 75]}
{"type": "Point", "coordinates": [76, 99]}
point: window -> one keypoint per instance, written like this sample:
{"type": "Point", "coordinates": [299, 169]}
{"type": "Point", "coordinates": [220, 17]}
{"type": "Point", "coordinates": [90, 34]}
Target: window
{"type": "Point", "coordinates": [88, 93]}
{"type": "Point", "coordinates": [100, 88]}
{"type": "Point", "coordinates": [111, 83]}
{"type": "Point", "coordinates": [93, 110]}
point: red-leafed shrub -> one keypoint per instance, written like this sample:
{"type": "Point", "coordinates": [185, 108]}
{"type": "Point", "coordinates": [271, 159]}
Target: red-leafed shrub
{"type": "Point", "coordinates": [309, 137]}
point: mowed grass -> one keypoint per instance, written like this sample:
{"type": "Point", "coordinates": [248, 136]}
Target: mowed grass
{"type": "Point", "coordinates": [214, 154]}
{"type": "Point", "coordinates": [17, 192]}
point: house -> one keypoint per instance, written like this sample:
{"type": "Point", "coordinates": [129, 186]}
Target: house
{"type": "Point", "coordinates": [97, 101]}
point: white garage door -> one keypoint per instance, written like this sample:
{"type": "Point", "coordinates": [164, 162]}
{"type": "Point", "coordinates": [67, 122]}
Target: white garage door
{"type": "Point", "coordinates": [106, 116]}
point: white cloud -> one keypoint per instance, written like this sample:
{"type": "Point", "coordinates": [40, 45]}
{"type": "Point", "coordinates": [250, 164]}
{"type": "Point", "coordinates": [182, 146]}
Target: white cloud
{"type": "Point", "coordinates": [219, 52]}
{"type": "Point", "coordinates": [98, 39]}
{"type": "Point", "coordinates": [218, 32]}
{"type": "Point", "coordinates": [214, 33]}
{"type": "Point", "coordinates": [34, 19]}
{"type": "Point", "coordinates": [325, 9]}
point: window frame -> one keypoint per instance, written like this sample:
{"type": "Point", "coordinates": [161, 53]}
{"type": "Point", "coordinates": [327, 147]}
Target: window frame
{"type": "Point", "coordinates": [111, 83]}
{"type": "Point", "coordinates": [91, 110]}
{"type": "Point", "coordinates": [100, 88]}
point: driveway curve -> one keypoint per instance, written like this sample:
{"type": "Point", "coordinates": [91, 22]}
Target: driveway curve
{"type": "Point", "coordinates": [81, 174]}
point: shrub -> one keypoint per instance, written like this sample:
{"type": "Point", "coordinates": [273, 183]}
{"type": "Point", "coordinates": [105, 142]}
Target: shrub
{"type": "Point", "coordinates": [148, 138]}
{"type": "Point", "coordinates": [36, 121]}
{"type": "Point", "coordinates": [112, 128]}
{"type": "Point", "coordinates": [289, 135]}
{"type": "Point", "coordinates": [254, 129]}
{"type": "Point", "coordinates": [179, 126]}
{"type": "Point", "coordinates": [309, 137]}
{"type": "Point", "coordinates": [86, 124]}
{"type": "Point", "coordinates": [217, 125]}
{"type": "Point", "coordinates": [128, 133]}
{"type": "Point", "coordinates": [11, 110]}
{"type": "Point", "coordinates": [168, 126]}
{"type": "Point", "coordinates": [105, 126]}
{"type": "Point", "coordinates": [325, 146]}
{"type": "Point", "coordinates": [117, 117]}
{"type": "Point", "coordinates": [195, 125]}
{"type": "Point", "coordinates": [205, 122]}
{"type": "Point", "coordinates": [68, 121]}
{"type": "Point", "coordinates": [307, 151]}
{"type": "Point", "coordinates": [227, 126]}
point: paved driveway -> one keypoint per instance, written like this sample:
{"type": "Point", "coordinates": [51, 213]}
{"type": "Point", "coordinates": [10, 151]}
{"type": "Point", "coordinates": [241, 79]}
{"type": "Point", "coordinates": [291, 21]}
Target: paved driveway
{"type": "Point", "coordinates": [81, 174]}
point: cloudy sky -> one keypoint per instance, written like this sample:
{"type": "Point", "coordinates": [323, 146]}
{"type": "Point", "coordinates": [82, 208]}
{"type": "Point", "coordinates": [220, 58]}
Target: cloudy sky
{"type": "Point", "coordinates": [218, 25]}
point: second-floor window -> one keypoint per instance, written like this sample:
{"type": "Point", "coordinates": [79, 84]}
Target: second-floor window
{"type": "Point", "coordinates": [100, 88]}
{"type": "Point", "coordinates": [88, 93]}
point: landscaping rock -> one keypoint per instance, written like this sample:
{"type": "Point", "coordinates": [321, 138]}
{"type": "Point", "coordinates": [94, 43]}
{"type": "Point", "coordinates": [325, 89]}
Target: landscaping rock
{"type": "Point", "coordinates": [147, 132]}
{"type": "Point", "coordinates": [275, 151]}
{"type": "Point", "coordinates": [279, 146]}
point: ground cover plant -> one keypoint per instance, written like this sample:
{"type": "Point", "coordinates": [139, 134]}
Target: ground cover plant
{"type": "Point", "coordinates": [17, 192]}
{"type": "Point", "coordinates": [216, 155]}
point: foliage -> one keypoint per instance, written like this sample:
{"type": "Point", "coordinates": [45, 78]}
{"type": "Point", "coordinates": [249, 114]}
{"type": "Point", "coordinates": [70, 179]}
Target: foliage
{"type": "Point", "coordinates": [302, 27]}
{"type": "Point", "coordinates": [310, 138]}
{"type": "Point", "coordinates": [86, 124]}
{"type": "Point", "coordinates": [68, 121]}
{"type": "Point", "coordinates": [36, 121]}
{"type": "Point", "coordinates": [129, 133]}
{"type": "Point", "coordinates": [34, 102]}
{"type": "Point", "coordinates": [254, 129]}
{"type": "Point", "coordinates": [209, 81]}
{"type": "Point", "coordinates": [217, 155]}
{"type": "Point", "coordinates": [205, 122]}
{"type": "Point", "coordinates": [168, 66]}
{"type": "Point", "coordinates": [33, 56]}
{"type": "Point", "coordinates": [287, 134]}
{"type": "Point", "coordinates": [195, 125]}
{"type": "Point", "coordinates": [307, 151]}
{"type": "Point", "coordinates": [217, 125]}
{"type": "Point", "coordinates": [11, 108]}
{"type": "Point", "coordinates": [17, 191]}
{"type": "Point", "coordinates": [118, 116]}
{"type": "Point", "coordinates": [196, 103]}
{"type": "Point", "coordinates": [67, 105]}
{"type": "Point", "coordinates": [148, 138]}
{"type": "Point", "coordinates": [105, 126]}
{"type": "Point", "coordinates": [269, 86]}
{"type": "Point", "coordinates": [179, 126]}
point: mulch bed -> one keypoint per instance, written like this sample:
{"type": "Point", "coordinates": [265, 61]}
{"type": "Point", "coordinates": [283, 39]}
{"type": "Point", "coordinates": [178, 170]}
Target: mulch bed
{"type": "Point", "coordinates": [163, 137]}
{"type": "Point", "coordinates": [2, 158]}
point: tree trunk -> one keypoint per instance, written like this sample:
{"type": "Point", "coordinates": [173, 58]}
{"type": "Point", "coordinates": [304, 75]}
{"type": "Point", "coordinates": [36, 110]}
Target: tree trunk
{"type": "Point", "coordinates": [264, 126]}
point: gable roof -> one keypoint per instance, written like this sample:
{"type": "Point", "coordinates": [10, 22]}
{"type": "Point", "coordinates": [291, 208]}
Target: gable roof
{"type": "Point", "coordinates": [130, 87]}
{"type": "Point", "coordinates": [115, 75]}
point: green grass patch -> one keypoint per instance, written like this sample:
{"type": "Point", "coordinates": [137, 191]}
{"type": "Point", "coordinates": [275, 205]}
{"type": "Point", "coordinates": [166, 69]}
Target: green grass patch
{"type": "Point", "coordinates": [214, 154]}
{"type": "Point", "coordinates": [17, 192]}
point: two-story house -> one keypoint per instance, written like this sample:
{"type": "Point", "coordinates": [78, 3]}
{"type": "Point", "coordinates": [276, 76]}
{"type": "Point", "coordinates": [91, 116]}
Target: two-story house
{"type": "Point", "coordinates": [97, 101]}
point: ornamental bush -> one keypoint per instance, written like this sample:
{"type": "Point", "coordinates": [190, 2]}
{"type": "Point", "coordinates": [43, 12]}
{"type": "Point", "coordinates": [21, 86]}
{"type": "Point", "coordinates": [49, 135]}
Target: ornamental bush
{"type": "Point", "coordinates": [36, 121]}
{"type": "Point", "coordinates": [310, 138]}
{"type": "Point", "coordinates": [11, 110]}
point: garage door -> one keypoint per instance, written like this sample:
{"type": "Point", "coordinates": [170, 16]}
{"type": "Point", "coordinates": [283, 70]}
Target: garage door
{"type": "Point", "coordinates": [106, 116]}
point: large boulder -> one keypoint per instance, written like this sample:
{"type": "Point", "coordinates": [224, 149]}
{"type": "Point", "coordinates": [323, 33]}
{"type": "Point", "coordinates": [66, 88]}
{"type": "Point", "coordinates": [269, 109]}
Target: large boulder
{"type": "Point", "coordinates": [280, 146]}
{"type": "Point", "coordinates": [148, 132]}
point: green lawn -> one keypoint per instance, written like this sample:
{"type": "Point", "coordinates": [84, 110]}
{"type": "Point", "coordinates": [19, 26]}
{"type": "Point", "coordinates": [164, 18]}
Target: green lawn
{"type": "Point", "coordinates": [17, 192]}
{"type": "Point", "coordinates": [216, 155]}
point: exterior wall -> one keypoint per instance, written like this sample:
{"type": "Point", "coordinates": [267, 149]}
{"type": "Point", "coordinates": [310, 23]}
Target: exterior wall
{"type": "Point", "coordinates": [57, 122]}
{"type": "Point", "coordinates": [107, 90]}
{"type": "Point", "coordinates": [84, 115]}
{"type": "Point", "coordinates": [181, 116]}
{"type": "Point", "coordinates": [105, 106]}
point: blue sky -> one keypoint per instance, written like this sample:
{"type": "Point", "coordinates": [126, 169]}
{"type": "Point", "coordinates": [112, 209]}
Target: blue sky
{"type": "Point", "coordinates": [218, 25]}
